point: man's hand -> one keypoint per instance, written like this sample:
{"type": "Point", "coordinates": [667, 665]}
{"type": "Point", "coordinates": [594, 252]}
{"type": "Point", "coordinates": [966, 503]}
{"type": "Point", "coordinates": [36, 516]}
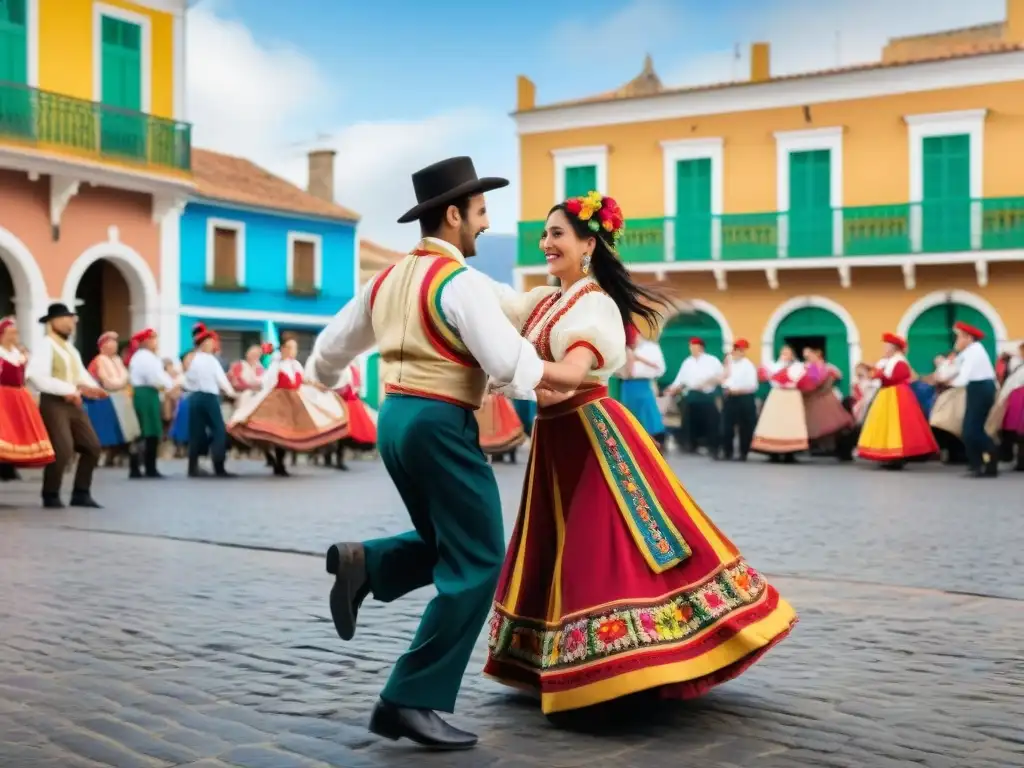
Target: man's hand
{"type": "Point", "coordinates": [673, 391]}
{"type": "Point", "coordinates": [93, 393]}
{"type": "Point", "coordinates": [74, 398]}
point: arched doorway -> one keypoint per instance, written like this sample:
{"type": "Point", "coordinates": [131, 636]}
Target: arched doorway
{"type": "Point", "coordinates": [104, 302]}
{"type": "Point", "coordinates": [931, 333]}
{"type": "Point", "coordinates": [7, 293]}
{"type": "Point", "coordinates": [675, 339]}
{"type": "Point", "coordinates": [815, 326]}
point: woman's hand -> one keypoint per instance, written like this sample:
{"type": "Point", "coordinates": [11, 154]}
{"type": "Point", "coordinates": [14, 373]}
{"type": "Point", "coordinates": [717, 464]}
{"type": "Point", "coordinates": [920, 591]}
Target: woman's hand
{"type": "Point", "coordinates": [547, 397]}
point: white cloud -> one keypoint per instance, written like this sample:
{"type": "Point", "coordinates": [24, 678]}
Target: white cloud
{"type": "Point", "coordinates": [258, 101]}
{"type": "Point", "coordinates": [625, 35]}
{"type": "Point", "coordinates": [806, 35]}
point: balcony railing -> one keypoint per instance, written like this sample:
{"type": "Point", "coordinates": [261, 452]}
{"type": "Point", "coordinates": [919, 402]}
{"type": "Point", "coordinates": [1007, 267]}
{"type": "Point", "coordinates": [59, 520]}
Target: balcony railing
{"type": "Point", "coordinates": [46, 120]}
{"type": "Point", "coordinates": [934, 226]}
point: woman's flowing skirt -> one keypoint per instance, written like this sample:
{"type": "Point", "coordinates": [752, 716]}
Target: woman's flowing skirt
{"type": "Point", "coordinates": [638, 396]}
{"type": "Point", "coordinates": [500, 428]}
{"type": "Point", "coordinates": [895, 428]}
{"type": "Point", "coordinates": [362, 428]}
{"type": "Point", "coordinates": [24, 441]}
{"type": "Point", "coordinates": [127, 419]}
{"type": "Point", "coordinates": [948, 411]}
{"type": "Point", "coordinates": [179, 427]}
{"type": "Point", "coordinates": [824, 414]}
{"type": "Point", "coordinates": [302, 419]}
{"type": "Point", "coordinates": [782, 425]}
{"type": "Point", "coordinates": [105, 423]}
{"type": "Point", "coordinates": [1013, 420]}
{"type": "Point", "coordinates": [615, 581]}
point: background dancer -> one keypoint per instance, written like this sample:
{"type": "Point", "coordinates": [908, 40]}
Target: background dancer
{"type": "Point", "coordinates": [978, 377]}
{"type": "Point", "coordinates": [148, 378]}
{"type": "Point", "coordinates": [57, 372]}
{"type": "Point", "coordinates": [24, 441]}
{"type": "Point", "coordinates": [113, 418]}
{"type": "Point", "coordinates": [645, 364]}
{"type": "Point", "coordinates": [739, 412]}
{"type": "Point", "coordinates": [205, 380]}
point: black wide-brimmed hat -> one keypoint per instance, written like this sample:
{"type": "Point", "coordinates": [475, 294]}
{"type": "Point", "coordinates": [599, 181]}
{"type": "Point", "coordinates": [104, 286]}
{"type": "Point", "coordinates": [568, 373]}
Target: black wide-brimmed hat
{"type": "Point", "coordinates": [55, 312]}
{"type": "Point", "coordinates": [445, 182]}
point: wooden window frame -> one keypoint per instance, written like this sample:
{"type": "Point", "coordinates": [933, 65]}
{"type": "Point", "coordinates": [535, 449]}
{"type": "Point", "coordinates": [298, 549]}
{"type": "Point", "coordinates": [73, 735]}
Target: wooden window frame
{"type": "Point", "coordinates": [238, 227]}
{"type": "Point", "coordinates": [317, 242]}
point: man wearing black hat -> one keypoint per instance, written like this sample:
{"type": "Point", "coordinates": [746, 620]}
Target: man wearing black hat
{"type": "Point", "coordinates": [57, 371]}
{"type": "Point", "coordinates": [441, 333]}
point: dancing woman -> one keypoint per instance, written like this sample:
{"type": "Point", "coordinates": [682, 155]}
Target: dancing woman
{"type": "Point", "coordinates": [615, 581]}
{"type": "Point", "coordinates": [24, 441]}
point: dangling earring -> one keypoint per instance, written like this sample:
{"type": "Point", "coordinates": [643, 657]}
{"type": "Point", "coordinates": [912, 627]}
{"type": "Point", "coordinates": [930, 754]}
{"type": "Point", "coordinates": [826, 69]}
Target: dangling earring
{"type": "Point", "coordinates": [585, 263]}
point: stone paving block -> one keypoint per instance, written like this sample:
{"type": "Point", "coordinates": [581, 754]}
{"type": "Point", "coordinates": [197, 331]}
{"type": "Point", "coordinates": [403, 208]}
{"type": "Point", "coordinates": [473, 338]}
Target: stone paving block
{"type": "Point", "coordinates": [150, 651]}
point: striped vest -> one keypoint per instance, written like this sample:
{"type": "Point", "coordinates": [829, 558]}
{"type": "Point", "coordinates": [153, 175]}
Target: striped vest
{"type": "Point", "coordinates": [421, 353]}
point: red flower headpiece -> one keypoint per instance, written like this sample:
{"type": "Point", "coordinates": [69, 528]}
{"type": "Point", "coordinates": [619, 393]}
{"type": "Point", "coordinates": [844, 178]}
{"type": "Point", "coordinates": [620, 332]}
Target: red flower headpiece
{"type": "Point", "coordinates": [267, 348]}
{"type": "Point", "coordinates": [599, 213]}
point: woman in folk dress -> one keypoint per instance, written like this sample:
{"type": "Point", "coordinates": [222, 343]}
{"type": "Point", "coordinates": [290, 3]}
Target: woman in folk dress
{"type": "Point", "coordinates": [113, 418]}
{"type": "Point", "coordinates": [287, 415]}
{"type": "Point", "coordinates": [895, 430]}
{"type": "Point", "coordinates": [615, 581]}
{"type": "Point", "coordinates": [781, 430]}
{"type": "Point", "coordinates": [24, 441]}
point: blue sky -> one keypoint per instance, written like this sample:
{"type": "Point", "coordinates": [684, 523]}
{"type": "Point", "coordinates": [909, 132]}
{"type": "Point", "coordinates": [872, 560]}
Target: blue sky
{"type": "Point", "coordinates": [396, 84]}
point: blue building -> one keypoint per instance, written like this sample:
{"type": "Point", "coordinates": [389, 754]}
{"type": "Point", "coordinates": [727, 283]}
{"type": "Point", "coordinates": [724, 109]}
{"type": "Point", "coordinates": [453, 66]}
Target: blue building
{"type": "Point", "coordinates": [261, 257]}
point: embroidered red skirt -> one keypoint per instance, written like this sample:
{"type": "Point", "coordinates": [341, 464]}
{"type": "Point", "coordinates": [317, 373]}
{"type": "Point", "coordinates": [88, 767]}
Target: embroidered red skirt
{"type": "Point", "coordinates": [896, 428]}
{"type": "Point", "coordinates": [24, 441]}
{"type": "Point", "coordinates": [615, 581]}
{"type": "Point", "coordinates": [362, 432]}
{"type": "Point", "coordinates": [500, 427]}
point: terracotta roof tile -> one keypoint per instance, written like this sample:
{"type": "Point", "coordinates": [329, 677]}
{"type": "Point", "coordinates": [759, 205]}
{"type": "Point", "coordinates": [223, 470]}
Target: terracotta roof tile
{"type": "Point", "coordinates": [237, 180]}
{"type": "Point", "coordinates": [957, 52]}
{"type": "Point", "coordinates": [374, 257]}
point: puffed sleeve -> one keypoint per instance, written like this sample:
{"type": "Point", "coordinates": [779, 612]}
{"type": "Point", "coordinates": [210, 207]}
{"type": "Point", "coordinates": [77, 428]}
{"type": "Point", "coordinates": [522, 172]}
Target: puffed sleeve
{"type": "Point", "coordinates": [593, 322]}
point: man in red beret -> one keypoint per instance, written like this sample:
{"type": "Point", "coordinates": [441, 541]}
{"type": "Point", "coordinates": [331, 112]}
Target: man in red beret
{"type": "Point", "coordinates": [700, 376]}
{"type": "Point", "coordinates": [739, 412]}
{"type": "Point", "coordinates": [977, 374]}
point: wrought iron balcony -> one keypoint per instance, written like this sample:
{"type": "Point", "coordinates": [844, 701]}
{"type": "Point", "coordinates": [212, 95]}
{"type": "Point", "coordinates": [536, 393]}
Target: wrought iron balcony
{"type": "Point", "coordinates": [933, 226]}
{"type": "Point", "coordinates": [52, 122]}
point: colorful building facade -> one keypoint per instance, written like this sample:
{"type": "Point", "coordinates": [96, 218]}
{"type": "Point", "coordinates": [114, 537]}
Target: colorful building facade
{"type": "Point", "coordinates": [95, 162]}
{"type": "Point", "coordinates": [823, 208]}
{"type": "Point", "coordinates": [261, 257]}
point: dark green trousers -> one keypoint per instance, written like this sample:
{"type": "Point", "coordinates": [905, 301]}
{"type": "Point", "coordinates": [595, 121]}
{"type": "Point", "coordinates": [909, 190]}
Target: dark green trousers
{"type": "Point", "coordinates": [432, 451]}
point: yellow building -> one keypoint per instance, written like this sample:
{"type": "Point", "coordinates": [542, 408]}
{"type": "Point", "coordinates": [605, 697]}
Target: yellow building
{"type": "Point", "coordinates": [824, 207]}
{"type": "Point", "coordinates": [95, 161]}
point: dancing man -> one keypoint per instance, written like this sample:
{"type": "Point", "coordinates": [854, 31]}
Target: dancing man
{"type": "Point", "coordinates": [205, 380]}
{"type": "Point", "coordinates": [441, 331]}
{"type": "Point", "coordinates": [977, 374]}
{"type": "Point", "coordinates": [57, 371]}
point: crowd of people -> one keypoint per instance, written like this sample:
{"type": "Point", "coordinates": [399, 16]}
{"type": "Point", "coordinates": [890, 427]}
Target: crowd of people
{"type": "Point", "coordinates": [128, 404]}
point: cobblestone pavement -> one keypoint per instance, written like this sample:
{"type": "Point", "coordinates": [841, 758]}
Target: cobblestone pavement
{"type": "Point", "coordinates": [125, 640]}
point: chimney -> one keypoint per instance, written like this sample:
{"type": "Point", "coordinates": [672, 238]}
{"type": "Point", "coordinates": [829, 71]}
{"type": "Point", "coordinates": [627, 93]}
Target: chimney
{"type": "Point", "coordinates": [526, 94]}
{"type": "Point", "coordinates": [1013, 27]}
{"type": "Point", "coordinates": [760, 63]}
{"type": "Point", "coordinates": [321, 174]}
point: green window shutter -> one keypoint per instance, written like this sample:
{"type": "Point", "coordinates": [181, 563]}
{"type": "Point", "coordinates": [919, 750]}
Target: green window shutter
{"type": "Point", "coordinates": [946, 193]}
{"type": "Point", "coordinates": [693, 209]}
{"type": "Point", "coordinates": [123, 128]}
{"type": "Point", "coordinates": [580, 180]}
{"type": "Point", "coordinates": [16, 114]}
{"type": "Point", "coordinates": [810, 203]}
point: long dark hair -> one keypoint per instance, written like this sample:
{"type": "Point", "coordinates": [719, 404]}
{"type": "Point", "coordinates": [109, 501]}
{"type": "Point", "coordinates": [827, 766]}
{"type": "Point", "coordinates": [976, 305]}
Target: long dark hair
{"type": "Point", "coordinates": [613, 277]}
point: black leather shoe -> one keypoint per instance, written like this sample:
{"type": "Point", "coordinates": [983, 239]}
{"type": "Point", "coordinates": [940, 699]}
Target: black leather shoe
{"type": "Point", "coordinates": [347, 563]}
{"type": "Point", "coordinates": [422, 726]}
{"type": "Point", "coordinates": [84, 499]}
{"type": "Point", "coordinates": [52, 501]}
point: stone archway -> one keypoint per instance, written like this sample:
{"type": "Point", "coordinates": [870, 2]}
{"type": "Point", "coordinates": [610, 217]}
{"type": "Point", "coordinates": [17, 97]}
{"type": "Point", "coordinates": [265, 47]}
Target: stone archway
{"type": "Point", "coordinates": [21, 282]}
{"type": "Point", "coordinates": [814, 319]}
{"type": "Point", "coordinates": [928, 325]}
{"type": "Point", "coordinates": [127, 292]}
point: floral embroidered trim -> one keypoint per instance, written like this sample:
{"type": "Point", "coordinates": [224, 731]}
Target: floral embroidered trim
{"type": "Point", "coordinates": [538, 312]}
{"type": "Point", "coordinates": [606, 633]}
{"type": "Point", "coordinates": [662, 546]}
